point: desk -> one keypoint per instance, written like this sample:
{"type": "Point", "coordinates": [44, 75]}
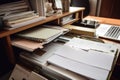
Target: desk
{"type": "Point", "coordinates": [5, 35]}
{"type": "Point", "coordinates": [106, 21]}
{"type": "Point", "coordinates": [62, 71]}
{"type": "Point", "coordinates": [101, 20]}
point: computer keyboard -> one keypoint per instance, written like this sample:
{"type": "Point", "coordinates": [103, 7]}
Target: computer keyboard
{"type": "Point", "coordinates": [108, 31]}
{"type": "Point", "coordinates": [114, 32]}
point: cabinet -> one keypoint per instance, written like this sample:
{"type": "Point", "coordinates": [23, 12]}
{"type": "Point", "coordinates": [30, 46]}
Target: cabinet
{"type": "Point", "coordinates": [110, 8]}
{"type": "Point", "coordinates": [5, 35]}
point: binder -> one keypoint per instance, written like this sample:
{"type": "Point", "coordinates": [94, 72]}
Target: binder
{"type": "Point", "coordinates": [27, 44]}
{"type": "Point", "coordinates": [40, 34]}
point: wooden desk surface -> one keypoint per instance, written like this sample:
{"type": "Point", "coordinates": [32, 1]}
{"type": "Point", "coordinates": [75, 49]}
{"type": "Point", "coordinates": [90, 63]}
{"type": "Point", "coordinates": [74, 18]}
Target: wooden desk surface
{"type": "Point", "coordinates": [105, 20]}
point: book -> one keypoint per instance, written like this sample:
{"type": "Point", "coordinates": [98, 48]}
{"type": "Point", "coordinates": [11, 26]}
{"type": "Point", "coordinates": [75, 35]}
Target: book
{"type": "Point", "coordinates": [38, 6]}
{"type": "Point", "coordinates": [24, 23]}
{"type": "Point", "coordinates": [78, 67]}
{"type": "Point", "coordinates": [41, 7]}
{"type": "Point", "coordinates": [27, 44]}
{"type": "Point", "coordinates": [65, 5]}
{"type": "Point", "coordinates": [25, 18]}
{"type": "Point", "coordinates": [13, 11]}
{"type": "Point", "coordinates": [41, 34]}
{"type": "Point", "coordinates": [107, 48]}
{"type": "Point", "coordinates": [94, 58]}
{"type": "Point", "coordinates": [58, 4]}
{"type": "Point", "coordinates": [80, 30]}
{"type": "Point", "coordinates": [9, 8]}
{"type": "Point", "coordinates": [58, 27]}
{"type": "Point", "coordinates": [12, 4]}
{"type": "Point", "coordinates": [18, 15]}
{"type": "Point", "coordinates": [14, 8]}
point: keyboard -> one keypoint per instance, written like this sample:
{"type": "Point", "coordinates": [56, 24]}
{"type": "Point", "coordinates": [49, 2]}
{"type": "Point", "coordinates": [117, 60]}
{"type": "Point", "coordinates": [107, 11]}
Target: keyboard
{"type": "Point", "coordinates": [108, 31]}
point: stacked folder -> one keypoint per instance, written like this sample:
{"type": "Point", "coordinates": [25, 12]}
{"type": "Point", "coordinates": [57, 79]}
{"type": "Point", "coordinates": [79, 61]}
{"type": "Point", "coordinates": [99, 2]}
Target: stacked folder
{"type": "Point", "coordinates": [21, 13]}
{"type": "Point", "coordinates": [21, 19]}
{"type": "Point", "coordinates": [91, 59]}
{"type": "Point", "coordinates": [40, 34]}
{"type": "Point", "coordinates": [35, 38]}
{"type": "Point", "coordinates": [13, 7]}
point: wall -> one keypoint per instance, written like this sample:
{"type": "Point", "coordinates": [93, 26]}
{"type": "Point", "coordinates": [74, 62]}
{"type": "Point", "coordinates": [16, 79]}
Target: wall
{"type": "Point", "coordinates": [95, 7]}
{"type": "Point", "coordinates": [110, 9]}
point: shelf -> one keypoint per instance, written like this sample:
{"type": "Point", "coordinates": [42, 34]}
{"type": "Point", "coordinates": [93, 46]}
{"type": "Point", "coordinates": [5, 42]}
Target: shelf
{"type": "Point", "coordinates": [6, 34]}
{"type": "Point", "coordinates": [48, 19]}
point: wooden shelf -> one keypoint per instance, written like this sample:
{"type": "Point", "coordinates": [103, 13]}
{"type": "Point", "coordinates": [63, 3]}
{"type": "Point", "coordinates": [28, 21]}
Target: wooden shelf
{"type": "Point", "coordinates": [48, 19]}
{"type": "Point", "coordinates": [5, 34]}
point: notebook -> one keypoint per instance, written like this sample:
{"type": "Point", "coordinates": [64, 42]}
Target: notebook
{"type": "Point", "coordinates": [79, 68]}
{"type": "Point", "coordinates": [108, 31]}
{"type": "Point", "coordinates": [41, 34]}
{"type": "Point", "coordinates": [90, 57]}
{"type": "Point", "coordinates": [27, 44]}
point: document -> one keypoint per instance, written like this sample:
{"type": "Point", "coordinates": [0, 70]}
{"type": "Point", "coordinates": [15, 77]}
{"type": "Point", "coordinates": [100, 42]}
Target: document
{"type": "Point", "coordinates": [21, 24]}
{"type": "Point", "coordinates": [27, 44]}
{"type": "Point", "coordinates": [40, 34]}
{"type": "Point", "coordinates": [79, 56]}
{"type": "Point", "coordinates": [78, 43]}
{"type": "Point", "coordinates": [78, 67]}
{"type": "Point", "coordinates": [90, 57]}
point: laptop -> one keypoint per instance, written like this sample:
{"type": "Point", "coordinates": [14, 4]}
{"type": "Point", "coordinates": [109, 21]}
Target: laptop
{"type": "Point", "coordinates": [108, 31]}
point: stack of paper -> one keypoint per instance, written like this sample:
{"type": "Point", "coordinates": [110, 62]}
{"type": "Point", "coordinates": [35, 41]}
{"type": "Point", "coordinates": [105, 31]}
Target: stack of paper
{"type": "Point", "coordinates": [13, 7]}
{"type": "Point", "coordinates": [39, 34]}
{"type": "Point", "coordinates": [89, 61]}
{"type": "Point", "coordinates": [34, 39]}
{"type": "Point", "coordinates": [27, 44]}
{"type": "Point", "coordinates": [17, 20]}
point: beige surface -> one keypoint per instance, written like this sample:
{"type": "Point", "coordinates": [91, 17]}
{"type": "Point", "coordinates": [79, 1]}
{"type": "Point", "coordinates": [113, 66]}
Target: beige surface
{"type": "Point", "coordinates": [81, 30]}
{"type": "Point", "coordinates": [105, 20]}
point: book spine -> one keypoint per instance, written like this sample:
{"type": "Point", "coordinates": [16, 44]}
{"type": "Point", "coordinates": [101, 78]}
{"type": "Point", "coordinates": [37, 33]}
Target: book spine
{"type": "Point", "coordinates": [33, 4]}
{"type": "Point", "coordinates": [13, 11]}
{"type": "Point", "coordinates": [14, 26]}
{"type": "Point", "coordinates": [15, 8]}
{"type": "Point", "coordinates": [23, 19]}
{"type": "Point", "coordinates": [30, 38]}
{"type": "Point", "coordinates": [18, 14]}
{"type": "Point", "coordinates": [65, 4]}
{"type": "Point", "coordinates": [41, 7]}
